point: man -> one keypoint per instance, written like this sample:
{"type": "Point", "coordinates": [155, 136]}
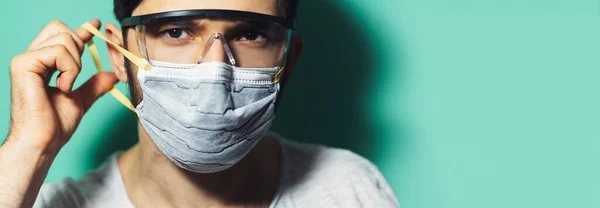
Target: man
{"type": "Point", "coordinates": [204, 77]}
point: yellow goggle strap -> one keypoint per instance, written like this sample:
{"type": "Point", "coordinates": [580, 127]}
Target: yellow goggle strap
{"type": "Point", "coordinates": [133, 58]}
{"type": "Point", "coordinates": [279, 74]}
{"type": "Point", "coordinates": [96, 57]}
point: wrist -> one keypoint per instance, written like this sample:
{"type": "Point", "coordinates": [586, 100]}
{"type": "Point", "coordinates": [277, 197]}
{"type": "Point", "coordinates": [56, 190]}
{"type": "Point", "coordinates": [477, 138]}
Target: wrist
{"type": "Point", "coordinates": [23, 168]}
{"type": "Point", "coordinates": [20, 145]}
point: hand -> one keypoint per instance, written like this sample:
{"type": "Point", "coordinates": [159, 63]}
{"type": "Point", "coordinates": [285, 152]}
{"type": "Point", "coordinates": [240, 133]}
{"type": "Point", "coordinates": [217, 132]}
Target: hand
{"type": "Point", "coordinates": [43, 117]}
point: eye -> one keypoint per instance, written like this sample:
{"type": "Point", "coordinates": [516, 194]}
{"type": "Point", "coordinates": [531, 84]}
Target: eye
{"type": "Point", "coordinates": [176, 33]}
{"type": "Point", "coordinates": [251, 36]}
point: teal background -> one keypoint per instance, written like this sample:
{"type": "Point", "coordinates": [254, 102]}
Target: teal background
{"type": "Point", "coordinates": [460, 103]}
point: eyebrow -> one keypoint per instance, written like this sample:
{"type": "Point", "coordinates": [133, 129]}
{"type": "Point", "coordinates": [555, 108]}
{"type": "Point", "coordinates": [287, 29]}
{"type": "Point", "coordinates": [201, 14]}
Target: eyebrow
{"type": "Point", "coordinates": [236, 26]}
{"type": "Point", "coordinates": [177, 22]}
{"type": "Point", "coordinates": [157, 26]}
{"type": "Point", "coordinates": [239, 26]}
{"type": "Point", "coordinates": [254, 24]}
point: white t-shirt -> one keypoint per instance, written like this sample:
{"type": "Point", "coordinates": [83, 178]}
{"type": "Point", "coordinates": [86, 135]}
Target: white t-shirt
{"type": "Point", "coordinates": [311, 176]}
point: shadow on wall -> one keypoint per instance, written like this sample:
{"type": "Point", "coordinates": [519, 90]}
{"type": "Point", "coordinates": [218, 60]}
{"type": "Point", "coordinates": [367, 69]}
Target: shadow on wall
{"type": "Point", "coordinates": [325, 100]}
{"type": "Point", "coordinates": [121, 137]}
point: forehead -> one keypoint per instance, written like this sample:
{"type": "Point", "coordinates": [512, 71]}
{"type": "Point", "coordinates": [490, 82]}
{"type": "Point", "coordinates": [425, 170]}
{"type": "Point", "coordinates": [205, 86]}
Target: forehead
{"type": "Point", "coordinates": [270, 7]}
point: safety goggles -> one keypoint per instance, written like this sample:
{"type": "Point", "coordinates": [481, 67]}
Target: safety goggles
{"type": "Point", "coordinates": [247, 39]}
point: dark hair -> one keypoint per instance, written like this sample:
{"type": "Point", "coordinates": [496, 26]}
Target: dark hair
{"type": "Point", "coordinates": [124, 8]}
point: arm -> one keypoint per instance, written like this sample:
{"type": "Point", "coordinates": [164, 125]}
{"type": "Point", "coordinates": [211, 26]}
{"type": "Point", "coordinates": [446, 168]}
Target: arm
{"type": "Point", "coordinates": [44, 118]}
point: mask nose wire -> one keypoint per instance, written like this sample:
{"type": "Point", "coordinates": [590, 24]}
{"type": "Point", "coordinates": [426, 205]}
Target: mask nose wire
{"type": "Point", "coordinates": [210, 42]}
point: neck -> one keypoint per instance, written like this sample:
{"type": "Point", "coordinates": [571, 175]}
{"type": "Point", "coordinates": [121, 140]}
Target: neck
{"type": "Point", "coordinates": [152, 180]}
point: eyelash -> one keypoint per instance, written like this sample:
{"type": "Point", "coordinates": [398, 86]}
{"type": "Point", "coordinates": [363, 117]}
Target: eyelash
{"type": "Point", "coordinates": [184, 31]}
{"type": "Point", "coordinates": [262, 37]}
{"type": "Point", "coordinates": [243, 33]}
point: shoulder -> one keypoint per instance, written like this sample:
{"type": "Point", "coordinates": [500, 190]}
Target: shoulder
{"type": "Point", "coordinates": [94, 188]}
{"type": "Point", "coordinates": [322, 176]}
{"type": "Point", "coordinates": [326, 160]}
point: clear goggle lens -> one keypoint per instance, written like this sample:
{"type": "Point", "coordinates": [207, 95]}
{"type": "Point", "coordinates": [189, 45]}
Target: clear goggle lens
{"type": "Point", "coordinates": [189, 40]}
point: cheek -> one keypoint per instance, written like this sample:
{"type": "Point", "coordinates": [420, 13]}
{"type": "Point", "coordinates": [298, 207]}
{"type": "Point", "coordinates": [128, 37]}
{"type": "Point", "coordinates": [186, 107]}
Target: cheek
{"type": "Point", "coordinates": [134, 86]}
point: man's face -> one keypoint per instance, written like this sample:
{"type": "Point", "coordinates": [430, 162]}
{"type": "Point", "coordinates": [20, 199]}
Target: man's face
{"type": "Point", "coordinates": [269, 7]}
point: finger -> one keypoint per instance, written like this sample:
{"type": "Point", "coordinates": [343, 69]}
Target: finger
{"type": "Point", "coordinates": [54, 28]}
{"type": "Point", "coordinates": [95, 87]}
{"type": "Point", "coordinates": [86, 36]}
{"type": "Point", "coordinates": [46, 59]}
{"type": "Point", "coordinates": [67, 40]}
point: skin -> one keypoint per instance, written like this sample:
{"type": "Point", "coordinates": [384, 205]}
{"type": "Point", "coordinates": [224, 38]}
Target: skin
{"type": "Point", "coordinates": [44, 118]}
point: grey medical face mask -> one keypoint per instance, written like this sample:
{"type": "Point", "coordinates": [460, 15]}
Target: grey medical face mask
{"type": "Point", "coordinates": [206, 117]}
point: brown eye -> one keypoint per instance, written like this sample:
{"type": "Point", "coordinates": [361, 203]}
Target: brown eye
{"type": "Point", "coordinates": [251, 36]}
{"type": "Point", "coordinates": [177, 33]}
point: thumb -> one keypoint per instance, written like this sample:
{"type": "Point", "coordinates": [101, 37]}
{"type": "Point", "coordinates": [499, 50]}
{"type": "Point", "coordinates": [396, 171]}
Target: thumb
{"type": "Point", "coordinates": [95, 87]}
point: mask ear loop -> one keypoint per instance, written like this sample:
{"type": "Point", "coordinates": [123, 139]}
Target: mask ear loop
{"type": "Point", "coordinates": [142, 64]}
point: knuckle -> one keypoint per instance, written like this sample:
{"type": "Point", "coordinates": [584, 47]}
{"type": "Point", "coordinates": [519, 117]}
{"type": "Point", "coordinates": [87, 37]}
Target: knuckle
{"type": "Point", "coordinates": [67, 40]}
{"type": "Point", "coordinates": [65, 37]}
{"type": "Point", "coordinates": [77, 40]}
{"type": "Point", "coordinates": [56, 23]}
{"type": "Point", "coordinates": [61, 49]}
{"type": "Point", "coordinates": [16, 61]}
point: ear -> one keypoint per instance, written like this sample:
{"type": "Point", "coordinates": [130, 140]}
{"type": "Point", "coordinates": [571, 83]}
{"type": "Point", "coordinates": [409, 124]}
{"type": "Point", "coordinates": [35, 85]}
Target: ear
{"type": "Point", "coordinates": [296, 47]}
{"type": "Point", "coordinates": [117, 59]}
